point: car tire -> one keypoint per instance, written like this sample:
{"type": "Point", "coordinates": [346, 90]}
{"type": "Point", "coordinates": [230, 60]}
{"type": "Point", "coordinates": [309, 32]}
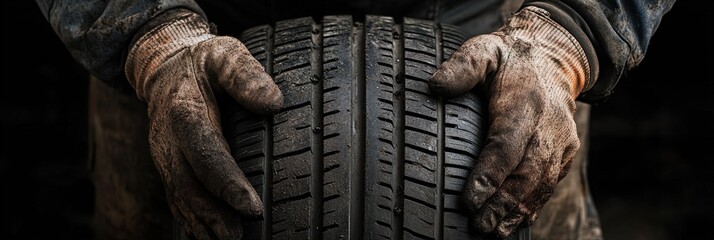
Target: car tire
{"type": "Point", "coordinates": [361, 149]}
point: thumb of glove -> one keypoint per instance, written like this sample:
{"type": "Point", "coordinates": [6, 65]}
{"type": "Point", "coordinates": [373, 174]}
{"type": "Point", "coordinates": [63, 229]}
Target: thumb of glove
{"type": "Point", "coordinates": [240, 75]}
{"type": "Point", "coordinates": [472, 64]}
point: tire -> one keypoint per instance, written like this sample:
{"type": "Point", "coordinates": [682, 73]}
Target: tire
{"type": "Point", "coordinates": [360, 150]}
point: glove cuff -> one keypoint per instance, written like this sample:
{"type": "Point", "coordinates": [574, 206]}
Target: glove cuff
{"type": "Point", "coordinates": [175, 31]}
{"type": "Point", "coordinates": [574, 23]}
{"type": "Point", "coordinates": [556, 43]}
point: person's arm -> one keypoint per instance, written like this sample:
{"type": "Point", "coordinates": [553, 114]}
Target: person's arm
{"type": "Point", "coordinates": [533, 68]}
{"type": "Point", "coordinates": [616, 32]}
{"type": "Point", "coordinates": [180, 69]}
{"type": "Point", "coordinates": [97, 33]}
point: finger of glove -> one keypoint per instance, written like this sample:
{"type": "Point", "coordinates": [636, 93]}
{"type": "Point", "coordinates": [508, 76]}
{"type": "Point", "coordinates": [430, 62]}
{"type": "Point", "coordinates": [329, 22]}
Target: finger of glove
{"type": "Point", "coordinates": [190, 223]}
{"type": "Point", "coordinates": [199, 136]}
{"type": "Point", "coordinates": [199, 213]}
{"type": "Point", "coordinates": [568, 156]}
{"type": "Point", "coordinates": [470, 65]}
{"type": "Point", "coordinates": [241, 75]}
{"type": "Point", "coordinates": [517, 186]}
{"type": "Point", "coordinates": [567, 161]}
{"type": "Point", "coordinates": [187, 218]}
{"type": "Point", "coordinates": [528, 209]}
{"type": "Point", "coordinates": [223, 222]}
{"type": "Point", "coordinates": [180, 218]}
{"type": "Point", "coordinates": [166, 160]}
{"type": "Point", "coordinates": [512, 110]}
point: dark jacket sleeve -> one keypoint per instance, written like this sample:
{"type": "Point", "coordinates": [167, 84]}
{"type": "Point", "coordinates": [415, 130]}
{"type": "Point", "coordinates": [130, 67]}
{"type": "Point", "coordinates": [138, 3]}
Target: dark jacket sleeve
{"type": "Point", "coordinates": [618, 32]}
{"type": "Point", "coordinates": [97, 32]}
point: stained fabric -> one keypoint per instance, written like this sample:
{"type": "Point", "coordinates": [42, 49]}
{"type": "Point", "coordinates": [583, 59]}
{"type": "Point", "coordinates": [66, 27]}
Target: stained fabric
{"type": "Point", "coordinates": [98, 33]}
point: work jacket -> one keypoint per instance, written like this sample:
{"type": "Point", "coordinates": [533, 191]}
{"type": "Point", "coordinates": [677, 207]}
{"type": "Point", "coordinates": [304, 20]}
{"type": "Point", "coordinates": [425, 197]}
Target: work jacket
{"type": "Point", "coordinates": [613, 33]}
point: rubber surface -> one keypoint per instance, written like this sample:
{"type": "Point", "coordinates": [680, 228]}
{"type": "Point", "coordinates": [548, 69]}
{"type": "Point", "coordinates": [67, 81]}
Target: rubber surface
{"type": "Point", "coordinates": [361, 149]}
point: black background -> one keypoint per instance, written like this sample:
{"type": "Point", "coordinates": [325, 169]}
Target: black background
{"type": "Point", "coordinates": [651, 142]}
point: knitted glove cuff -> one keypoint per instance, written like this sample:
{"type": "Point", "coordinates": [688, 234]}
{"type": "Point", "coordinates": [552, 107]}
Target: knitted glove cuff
{"type": "Point", "coordinates": [160, 43]}
{"type": "Point", "coordinates": [534, 25]}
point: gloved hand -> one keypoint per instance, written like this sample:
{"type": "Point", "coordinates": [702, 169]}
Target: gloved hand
{"type": "Point", "coordinates": [532, 70]}
{"type": "Point", "coordinates": [180, 69]}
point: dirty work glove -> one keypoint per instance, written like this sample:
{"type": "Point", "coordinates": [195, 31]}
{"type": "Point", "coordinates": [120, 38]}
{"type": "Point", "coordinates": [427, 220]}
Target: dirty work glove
{"type": "Point", "coordinates": [179, 69]}
{"type": "Point", "coordinates": [532, 70]}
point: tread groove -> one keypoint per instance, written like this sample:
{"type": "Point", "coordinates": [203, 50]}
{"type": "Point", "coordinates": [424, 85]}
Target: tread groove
{"type": "Point", "coordinates": [268, 149]}
{"type": "Point", "coordinates": [316, 210]}
{"type": "Point", "coordinates": [399, 126]}
{"type": "Point", "coordinates": [439, 221]}
{"type": "Point", "coordinates": [356, 219]}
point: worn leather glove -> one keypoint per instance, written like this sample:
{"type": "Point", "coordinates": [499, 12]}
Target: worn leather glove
{"type": "Point", "coordinates": [179, 69]}
{"type": "Point", "coordinates": [532, 70]}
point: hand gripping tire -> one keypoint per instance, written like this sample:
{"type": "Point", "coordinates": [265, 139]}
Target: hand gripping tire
{"type": "Point", "coordinates": [361, 149]}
